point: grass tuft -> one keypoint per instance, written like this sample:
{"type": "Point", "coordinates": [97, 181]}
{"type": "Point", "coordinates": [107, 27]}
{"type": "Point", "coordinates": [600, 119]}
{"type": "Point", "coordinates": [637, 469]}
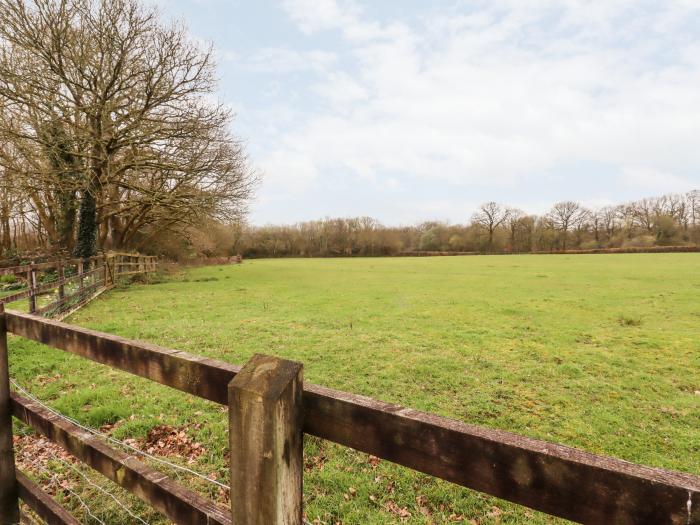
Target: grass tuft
{"type": "Point", "coordinates": [626, 320]}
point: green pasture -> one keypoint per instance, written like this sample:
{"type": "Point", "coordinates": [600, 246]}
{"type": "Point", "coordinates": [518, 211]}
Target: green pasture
{"type": "Point", "coordinates": [600, 352]}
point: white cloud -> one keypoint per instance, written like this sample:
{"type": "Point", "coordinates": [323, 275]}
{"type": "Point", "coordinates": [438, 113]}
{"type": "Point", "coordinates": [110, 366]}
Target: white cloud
{"type": "Point", "coordinates": [319, 15]}
{"type": "Point", "coordinates": [511, 89]}
{"type": "Point", "coordinates": [654, 182]}
{"type": "Point", "coordinates": [282, 61]}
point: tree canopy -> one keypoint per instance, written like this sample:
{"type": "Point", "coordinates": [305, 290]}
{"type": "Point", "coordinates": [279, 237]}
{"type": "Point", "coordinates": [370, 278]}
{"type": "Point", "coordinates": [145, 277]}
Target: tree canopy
{"type": "Point", "coordinates": [107, 110]}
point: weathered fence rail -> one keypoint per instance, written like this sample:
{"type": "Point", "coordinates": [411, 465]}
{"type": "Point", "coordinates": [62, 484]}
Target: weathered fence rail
{"type": "Point", "coordinates": [70, 283]}
{"type": "Point", "coordinates": [269, 411]}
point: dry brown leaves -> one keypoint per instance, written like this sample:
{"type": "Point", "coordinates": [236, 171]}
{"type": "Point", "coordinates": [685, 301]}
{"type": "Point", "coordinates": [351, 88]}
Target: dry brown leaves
{"type": "Point", "coordinates": [34, 452]}
{"type": "Point", "coordinates": [314, 462]}
{"type": "Point", "coordinates": [170, 441]}
{"type": "Point", "coordinates": [401, 512]}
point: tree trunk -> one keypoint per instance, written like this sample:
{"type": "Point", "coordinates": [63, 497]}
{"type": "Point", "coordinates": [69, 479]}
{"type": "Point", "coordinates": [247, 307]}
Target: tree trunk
{"type": "Point", "coordinates": [87, 226]}
{"type": "Point", "coordinates": [6, 231]}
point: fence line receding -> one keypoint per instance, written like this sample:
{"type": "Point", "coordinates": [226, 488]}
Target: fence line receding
{"type": "Point", "coordinates": [57, 288]}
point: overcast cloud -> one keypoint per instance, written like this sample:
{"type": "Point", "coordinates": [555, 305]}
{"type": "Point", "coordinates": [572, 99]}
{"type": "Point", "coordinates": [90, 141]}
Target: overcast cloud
{"type": "Point", "coordinates": [409, 111]}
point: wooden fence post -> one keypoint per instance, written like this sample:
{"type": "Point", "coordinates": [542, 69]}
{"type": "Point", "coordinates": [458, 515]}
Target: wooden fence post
{"type": "Point", "coordinates": [266, 442]}
{"type": "Point", "coordinates": [9, 507]}
{"type": "Point", "coordinates": [109, 277]}
{"type": "Point", "coordinates": [61, 277]}
{"type": "Point", "coordinates": [80, 274]}
{"type": "Point", "coordinates": [31, 284]}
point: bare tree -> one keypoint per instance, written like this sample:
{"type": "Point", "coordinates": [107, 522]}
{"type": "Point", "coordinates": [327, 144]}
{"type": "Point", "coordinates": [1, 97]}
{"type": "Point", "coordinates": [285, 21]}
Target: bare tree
{"type": "Point", "coordinates": [566, 216]}
{"type": "Point", "coordinates": [609, 220]}
{"type": "Point", "coordinates": [490, 216]}
{"type": "Point", "coordinates": [596, 221]}
{"type": "Point", "coordinates": [645, 212]}
{"type": "Point", "coordinates": [693, 201]}
{"type": "Point", "coordinates": [513, 221]}
{"type": "Point", "coordinates": [149, 149]}
{"type": "Point", "coordinates": [675, 206]}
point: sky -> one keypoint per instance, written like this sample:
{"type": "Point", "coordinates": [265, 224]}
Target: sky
{"type": "Point", "coordinates": [408, 110]}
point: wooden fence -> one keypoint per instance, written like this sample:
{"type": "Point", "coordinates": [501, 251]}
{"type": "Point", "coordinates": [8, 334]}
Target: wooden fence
{"type": "Point", "coordinates": [270, 408]}
{"type": "Point", "coordinates": [66, 284]}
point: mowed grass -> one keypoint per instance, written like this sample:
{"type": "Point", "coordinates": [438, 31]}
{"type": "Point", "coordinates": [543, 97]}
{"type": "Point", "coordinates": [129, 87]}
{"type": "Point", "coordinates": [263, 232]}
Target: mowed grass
{"type": "Point", "coordinates": [600, 352]}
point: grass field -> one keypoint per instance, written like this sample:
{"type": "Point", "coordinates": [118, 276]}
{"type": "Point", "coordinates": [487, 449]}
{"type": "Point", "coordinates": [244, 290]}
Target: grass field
{"type": "Point", "coordinates": [600, 352]}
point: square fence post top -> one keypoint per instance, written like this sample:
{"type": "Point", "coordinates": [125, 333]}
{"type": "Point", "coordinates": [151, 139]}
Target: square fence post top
{"type": "Point", "coordinates": [266, 376]}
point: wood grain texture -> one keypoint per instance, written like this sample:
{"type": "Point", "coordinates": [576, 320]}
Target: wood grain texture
{"type": "Point", "coordinates": [548, 477]}
{"type": "Point", "coordinates": [177, 503]}
{"type": "Point", "coordinates": [200, 376]}
{"type": "Point", "coordinates": [48, 265]}
{"type": "Point", "coordinates": [9, 508]}
{"type": "Point", "coordinates": [41, 503]}
{"type": "Point", "coordinates": [552, 478]}
{"type": "Point", "coordinates": [265, 429]}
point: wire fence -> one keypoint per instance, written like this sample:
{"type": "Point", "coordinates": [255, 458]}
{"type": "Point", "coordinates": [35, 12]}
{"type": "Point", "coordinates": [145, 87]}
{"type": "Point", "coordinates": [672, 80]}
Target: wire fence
{"type": "Point", "coordinates": [90, 512]}
{"type": "Point", "coordinates": [117, 442]}
{"type": "Point", "coordinates": [57, 288]}
{"type": "Point", "coordinates": [103, 490]}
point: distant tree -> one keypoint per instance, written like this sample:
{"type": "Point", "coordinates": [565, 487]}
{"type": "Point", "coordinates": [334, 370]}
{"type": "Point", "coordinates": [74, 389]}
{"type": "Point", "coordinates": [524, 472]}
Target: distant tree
{"type": "Point", "coordinates": [456, 242]}
{"type": "Point", "coordinates": [513, 221]}
{"type": "Point", "coordinates": [596, 220]}
{"type": "Point", "coordinates": [666, 230]}
{"type": "Point", "coordinates": [490, 216]}
{"type": "Point", "coordinates": [429, 241]}
{"type": "Point", "coordinates": [608, 220]}
{"type": "Point", "coordinates": [644, 212]}
{"type": "Point", "coordinates": [566, 216]}
{"type": "Point", "coordinates": [674, 206]}
{"type": "Point", "coordinates": [693, 200]}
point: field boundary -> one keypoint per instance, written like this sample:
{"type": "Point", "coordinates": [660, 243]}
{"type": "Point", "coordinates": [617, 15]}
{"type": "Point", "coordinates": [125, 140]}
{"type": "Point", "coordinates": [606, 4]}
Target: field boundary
{"type": "Point", "coordinates": [69, 284]}
{"type": "Point", "coordinates": [559, 480]}
{"type": "Point", "coordinates": [650, 249]}
{"type": "Point", "coordinates": [434, 253]}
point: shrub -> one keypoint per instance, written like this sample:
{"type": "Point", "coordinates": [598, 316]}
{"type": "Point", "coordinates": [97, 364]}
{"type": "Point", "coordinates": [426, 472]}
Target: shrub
{"type": "Point", "coordinates": [641, 241]}
{"type": "Point", "coordinates": [667, 230]}
{"type": "Point", "coordinates": [590, 245]}
{"type": "Point", "coordinates": [8, 279]}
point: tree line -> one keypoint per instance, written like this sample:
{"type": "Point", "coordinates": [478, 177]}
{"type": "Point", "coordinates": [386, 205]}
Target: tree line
{"type": "Point", "coordinates": [111, 138]}
{"type": "Point", "coordinates": [110, 135]}
{"type": "Point", "coordinates": [494, 228]}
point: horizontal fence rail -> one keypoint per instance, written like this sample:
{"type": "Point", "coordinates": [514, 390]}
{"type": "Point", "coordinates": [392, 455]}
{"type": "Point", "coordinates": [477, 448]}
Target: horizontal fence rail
{"type": "Point", "coordinates": [552, 478]}
{"type": "Point", "coordinates": [153, 487]}
{"type": "Point", "coordinates": [41, 503]}
{"type": "Point", "coordinates": [71, 283]}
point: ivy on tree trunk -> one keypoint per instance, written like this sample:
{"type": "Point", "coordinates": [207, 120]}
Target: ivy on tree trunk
{"type": "Point", "coordinates": [85, 245]}
{"type": "Point", "coordinates": [66, 168]}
